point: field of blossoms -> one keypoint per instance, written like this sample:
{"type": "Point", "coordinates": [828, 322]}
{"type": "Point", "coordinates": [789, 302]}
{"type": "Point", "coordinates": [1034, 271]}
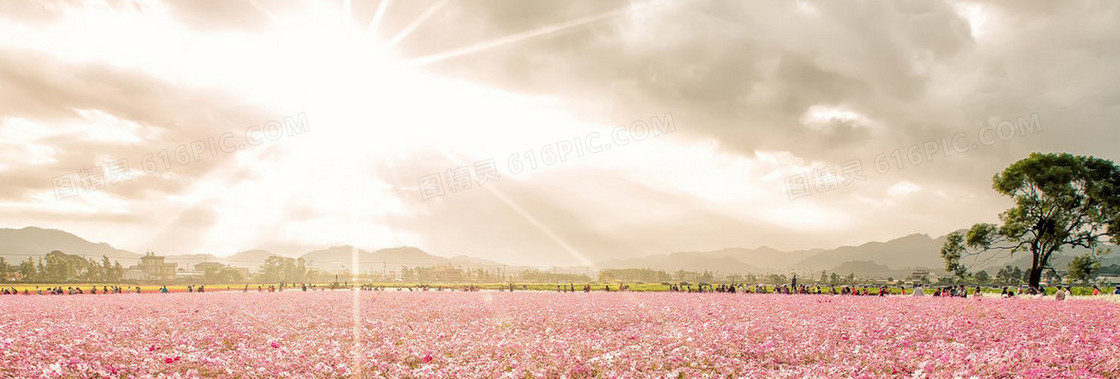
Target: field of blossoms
{"type": "Point", "coordinates": [487, 334]}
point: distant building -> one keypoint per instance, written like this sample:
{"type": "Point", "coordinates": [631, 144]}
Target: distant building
{"type": "Point", "coordinates": [151, 267]}
{"type": "Point", "coordinates": [919, 275]}
{"type": "Point", "coordinates": [446, 274]}
{"type": "Point", "coordinates": [202, 267]}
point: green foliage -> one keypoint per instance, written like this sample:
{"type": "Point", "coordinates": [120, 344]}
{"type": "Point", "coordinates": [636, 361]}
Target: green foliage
{"type": "Point", "coordinates": [1084, 268]}
{"type": "Point", "coordinates": [634, 275]}
{"type": "Point", "coordinates": [60, 267]}
{"type": "Point", "coordinates": [777, 279]}
{"type": "Point", "coordinates": [1061, 201]}
{"type": "Point", "coordinates": [982, 277]}
{"type": "Point", "coordinates": [1009, 275]}
{"type": "Point", "coordinates": [537, 276]}
{"type": "Point", "coordinates": [5, 269]}
{"type": "Point", "coordinates": [223, 275]}
{"type": "Point", "coordinates": [951, 252]}
{"type": "Point", "coordinates": [284, 269]}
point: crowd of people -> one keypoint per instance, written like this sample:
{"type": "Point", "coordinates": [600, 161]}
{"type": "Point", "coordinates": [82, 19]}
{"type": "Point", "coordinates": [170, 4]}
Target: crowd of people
{"type": "Point", "coordinates": [793, 288]}
{"type": "Point", "coordinates": [855, 290]}
{"type": "Point", "coordinates": [72, 290]}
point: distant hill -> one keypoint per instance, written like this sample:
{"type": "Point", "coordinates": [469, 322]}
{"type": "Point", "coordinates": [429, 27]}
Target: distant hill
{"type": "Point", "coordinates": [19, 244]}
{"type": "Point", "coordinates": [472, 261]}
{"type": "Point", "coordinates": [251, 259]}
{"type": "Point", "coordinates": [764, 258]}
{"type": "Point", "coordinates": [1059, 261]}
{"type": "Point", "coordinates": [888, 258]}
{"type": "Point", "coordinates": [896, 257]}
{"type": "Point", "coordinates": [869, 269]}
{"type": "Point", "coordinates": [915, 250]}
{"type": "Point", "coordinates": [698, 262]}
{"type": "Point", "coordinates": [338, 257]}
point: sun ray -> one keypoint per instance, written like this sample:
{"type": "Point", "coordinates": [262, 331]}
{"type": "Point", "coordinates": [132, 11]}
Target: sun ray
{"type": "Point", "coordinates": [262, 9]}
{"type": "Point", "coordinates": [371, 28]}
{"type": "Point", "coordinates": [526, 215]}
{"type": "Point", "coordinates": [526, 35]}
{"type": "Point", "coordinates": [223, 174]}
{"type": "Point", "coordinates": [386, 220]}
{"type": "Point", "coordinates": [428, 13]}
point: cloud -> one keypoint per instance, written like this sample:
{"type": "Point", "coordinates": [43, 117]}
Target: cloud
{"type": "Point", "coordinates": [759, 92]}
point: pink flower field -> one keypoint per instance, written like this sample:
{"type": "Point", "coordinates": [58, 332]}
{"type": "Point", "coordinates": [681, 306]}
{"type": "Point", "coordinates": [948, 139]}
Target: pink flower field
{"type": "Point", "coordinates": [484, 334]}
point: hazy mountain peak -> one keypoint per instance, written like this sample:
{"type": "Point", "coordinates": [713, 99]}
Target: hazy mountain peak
{"type": "Point", "coordinates": [18, 244]}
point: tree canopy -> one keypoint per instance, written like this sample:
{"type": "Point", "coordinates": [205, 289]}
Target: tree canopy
{"type": "Point", "coordinates": [1060, 201]}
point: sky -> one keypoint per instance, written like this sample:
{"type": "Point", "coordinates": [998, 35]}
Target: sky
{"type": "Point", "coordinates": [533, 132]}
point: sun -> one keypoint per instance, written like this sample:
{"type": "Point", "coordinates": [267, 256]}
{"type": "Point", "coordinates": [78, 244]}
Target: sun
{"type": "Point", "coordinates": [370, 112]}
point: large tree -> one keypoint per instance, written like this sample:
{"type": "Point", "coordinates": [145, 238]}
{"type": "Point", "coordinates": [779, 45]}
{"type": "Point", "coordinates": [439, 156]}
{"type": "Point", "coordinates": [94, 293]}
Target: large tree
{"type": "Point", "coordinates": [1061, 201]}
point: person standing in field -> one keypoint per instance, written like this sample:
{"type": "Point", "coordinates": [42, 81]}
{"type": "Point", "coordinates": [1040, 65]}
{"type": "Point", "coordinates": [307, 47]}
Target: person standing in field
{"type": "Point", "coordinates": [1096, 290]}
{"type": "Point", "coordinates": [1060, 295]}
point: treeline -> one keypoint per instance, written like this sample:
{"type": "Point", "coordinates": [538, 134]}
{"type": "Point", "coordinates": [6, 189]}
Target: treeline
{"type": "Point", "coordinates": [644, 275]}
{"type": "Point", "coordinates": [284, 269]}
{"type": "Point", "coordinates": [57, 266]}
{"type": "Point", "coordinates": [433, 273]}
{"type": "Point", "coordinates": [538, 276]}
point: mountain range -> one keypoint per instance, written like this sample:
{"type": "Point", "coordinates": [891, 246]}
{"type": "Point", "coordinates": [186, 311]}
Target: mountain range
{"type": "Point", "coordinates": [897, 257]}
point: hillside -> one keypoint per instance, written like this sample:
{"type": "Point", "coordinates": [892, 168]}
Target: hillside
{"type": "Point", "coordinates": [896, 257]}
{"type": "Point", "coordinates": [19, 244]}
{"type": "Point", "coordinates": [685, 261]}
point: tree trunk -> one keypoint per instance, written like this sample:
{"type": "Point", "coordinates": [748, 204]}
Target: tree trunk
{"type": "Point", "coordinates": [1035, 276]}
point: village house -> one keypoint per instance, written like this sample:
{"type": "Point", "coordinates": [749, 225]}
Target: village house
{"type": "Point", "coordinates": [446, 274]}
{"type": "Point", "coordinates": [151, 267]}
